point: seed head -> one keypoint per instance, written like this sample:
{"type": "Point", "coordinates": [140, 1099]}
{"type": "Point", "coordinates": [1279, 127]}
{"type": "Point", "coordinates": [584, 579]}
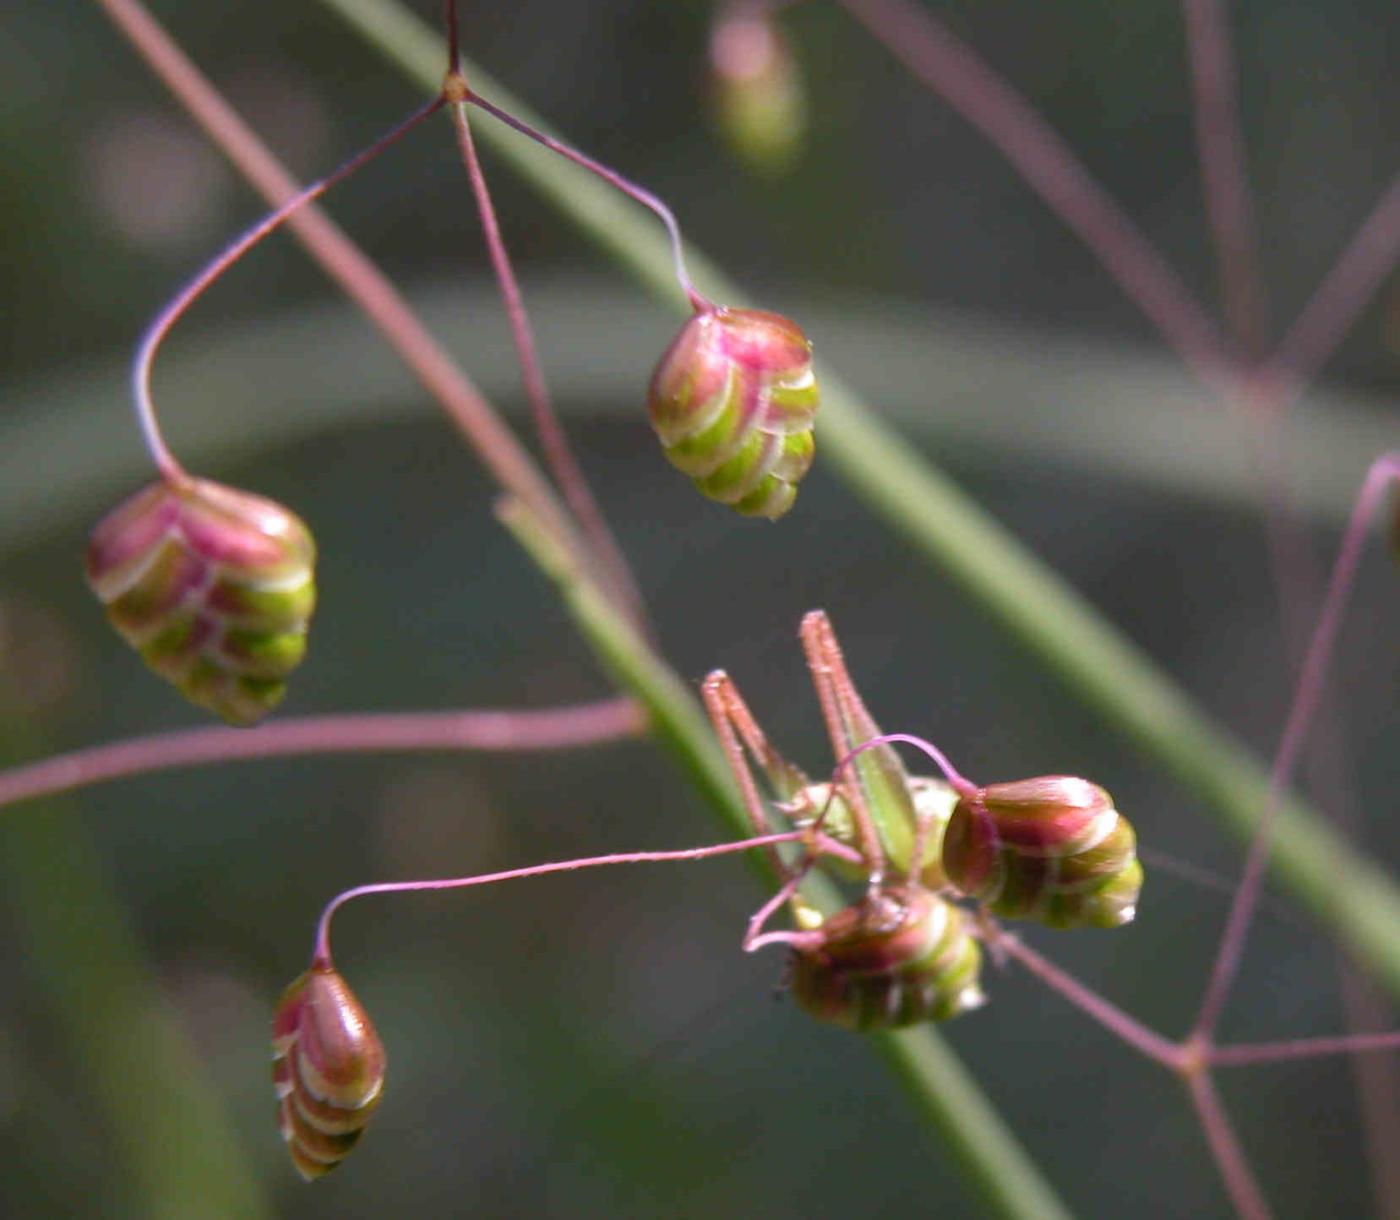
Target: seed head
{"type": "Point", "coordinates": [733, 401]}
{"type": "Point", "coordinates": [899, 956]}
{"type": "Point", "coordinates": [1052, 849]}
{"type": "Point", "coordinates": [327, 1069]}
{"type": "Point", "coordinates": [213, 586]}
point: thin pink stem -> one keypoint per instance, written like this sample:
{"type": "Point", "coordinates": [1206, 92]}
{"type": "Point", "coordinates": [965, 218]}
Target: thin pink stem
{"type": "Point", "coordinates": [556, 728]}
{"type": "Point", "coordinates": [1220, 152]}
{"type": "Point", "coordinates": [611, 567]}
{"type": "Point", "coordinates": [754, 936]}
{"type": "Point", "coordinates": [1117, 1022]}
{"type": "Point", "coordinates": [160, 327]}
{"type": "Point", "coordinates": [1360, 271]}
{"type": "Point", "coordinates": [1302, 1048]}
{"type": "Point", "coordinates": [323, 953]}
{"type": "Point", "coordinates": [1307, 694]}
{"type": "Point", "coordinates": [964, 786]}
{"type": "Point", "coordinates": [698, 301]}
{"type": "Point", "coordinates": [970, 86]}
{"type": "Point", "coordinates": [347, 265]}
{"type": "Point", "coordinates": [1230, 1159]}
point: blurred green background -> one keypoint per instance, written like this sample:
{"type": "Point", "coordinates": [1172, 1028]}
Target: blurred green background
{"type": "Point", "coordinates": [597, 1045]}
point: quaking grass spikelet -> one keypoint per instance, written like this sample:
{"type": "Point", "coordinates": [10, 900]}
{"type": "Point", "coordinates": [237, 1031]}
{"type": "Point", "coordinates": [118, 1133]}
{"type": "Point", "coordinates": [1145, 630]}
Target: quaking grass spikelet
{"type": "Point", "coordinates": [899, 956]}
{"type": "Point", "coordinates": [213, 586]}
{"type": "Point", "coordinates": [1053, 849]}
{"type": "Point", "coordinates": [327, 1069]}
{"type": "Point", "coordinates": [734, 400]}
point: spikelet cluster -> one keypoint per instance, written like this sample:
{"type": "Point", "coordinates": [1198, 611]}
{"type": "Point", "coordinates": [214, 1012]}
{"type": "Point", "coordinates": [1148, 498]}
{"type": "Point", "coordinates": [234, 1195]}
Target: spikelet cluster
{"type": "Point", "coordinates": [900, 955]}
{"type": "Point", "coordinates": [327, 1069]}
{"type": "Point", "coordinates": [1052, 849]}
{"type": "Point", "coordinates": [733, 400]}
{"type": "Point", "coordinates": [213, 586]}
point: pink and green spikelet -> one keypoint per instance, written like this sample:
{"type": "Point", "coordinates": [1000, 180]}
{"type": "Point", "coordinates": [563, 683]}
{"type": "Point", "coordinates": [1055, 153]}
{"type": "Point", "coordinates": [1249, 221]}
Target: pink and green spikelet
{"type": "Point", "coordinates": [1052, 849]}
{"type": "Point", "coordinates": [213, 586]}
{"type": "Point", "coordinates": [899, 956]}
{"type": "Point", "coordinates": [759, 100]}
{"type": "Point", "coordinates": [733, 400]}
{"type": "Point", "coordinates": [327, 1069]}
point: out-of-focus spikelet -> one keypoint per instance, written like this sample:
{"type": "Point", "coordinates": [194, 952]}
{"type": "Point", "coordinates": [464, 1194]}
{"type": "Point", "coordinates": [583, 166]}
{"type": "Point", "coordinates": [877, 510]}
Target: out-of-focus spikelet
{"type": "Point", "coordinates": [327, 1068]}
{"type": "Point", "coordinates": [899, 956]}
{"type": "Point", "coordinates": [213, 586]}
{"type": "Point", "coordinates": [757, 91]}
{"type": "Point", "coordinates": [1052, 849]}
{"type": "Point", "coordinates": [733, 400]}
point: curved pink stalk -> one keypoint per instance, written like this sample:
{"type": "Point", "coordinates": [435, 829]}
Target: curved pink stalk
{"type": "Point", "coordinates": [959, 782]}
{"type": "Point", "coordinates": [160, 327]}
{"type": "Point", "coordinates": [956, 72]}
{"type": "Point", "coordinates": [323, 953]}
{"type": "Point", "coordinates": [505, 730]}
{"type": "Point", "coordinates": [1306, 696]}
{"type": "Point", "coordinates": [698, 301]}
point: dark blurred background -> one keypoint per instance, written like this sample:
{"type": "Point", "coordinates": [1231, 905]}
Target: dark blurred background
{"type": "Point", "coordinates": [597, 1045]}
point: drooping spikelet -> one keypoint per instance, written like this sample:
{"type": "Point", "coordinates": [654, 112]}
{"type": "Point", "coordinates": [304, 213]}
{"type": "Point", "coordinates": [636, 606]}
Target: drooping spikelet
{"type": "Point", "coordinates": [1052, 849]}
{"type": "Point", "coordinates": [213, 586]}
{"type": "Point", "coordinates": [327, 1069]}
{"type": "Point", "coordinates": [898, 956]}
{"type": "Point", "coordinates": [733, 401]}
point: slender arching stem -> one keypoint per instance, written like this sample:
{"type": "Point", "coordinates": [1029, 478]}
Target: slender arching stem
{"type": "Point", "coordinates": [698, 301]}
{"type": "Point", "coordinates": [956, 780]}
{"type": "Point", "coordinates": [323, 953]}
{"type": "Point", "coordinates": [160, 327]}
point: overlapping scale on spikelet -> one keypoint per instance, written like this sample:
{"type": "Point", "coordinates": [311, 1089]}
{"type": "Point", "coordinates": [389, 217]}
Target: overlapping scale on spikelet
{"type": "Point", "coordinates": [1052, 849]}
{"type": "Point", "coordinates": [327, 1069]}
{"type": "Point", "coordinates": [899, 956]}
{"type": "Point", "coordinates": [213, 586]}
{"type": "Point", "coordinates": [733, 401]}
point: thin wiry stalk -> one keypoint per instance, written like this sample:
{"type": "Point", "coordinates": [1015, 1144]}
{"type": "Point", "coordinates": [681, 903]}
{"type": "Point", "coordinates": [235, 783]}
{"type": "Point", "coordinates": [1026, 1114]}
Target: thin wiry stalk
{"type": "Point", "coordinates": [1117, 1022]}
{"type": "Point", "coordinates": [612, 566]}
{"type": "Point", "coordinates": [556, 728]}
{"type": "Point", "coordinates": [1358, 274]}
{"type": "Point", "coordinates": [160, 327]}
{"type": "Point", "coordinates": [1305, 701]}
{"type": "Point", "coordinates": [1224, 176]}
{"type": "Point", "coordinates": [1225, 1147]}
{"type": "Point", "coordinates": [966, 82]}
{"type": "Point", "coordinates": [1302, 1048]}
